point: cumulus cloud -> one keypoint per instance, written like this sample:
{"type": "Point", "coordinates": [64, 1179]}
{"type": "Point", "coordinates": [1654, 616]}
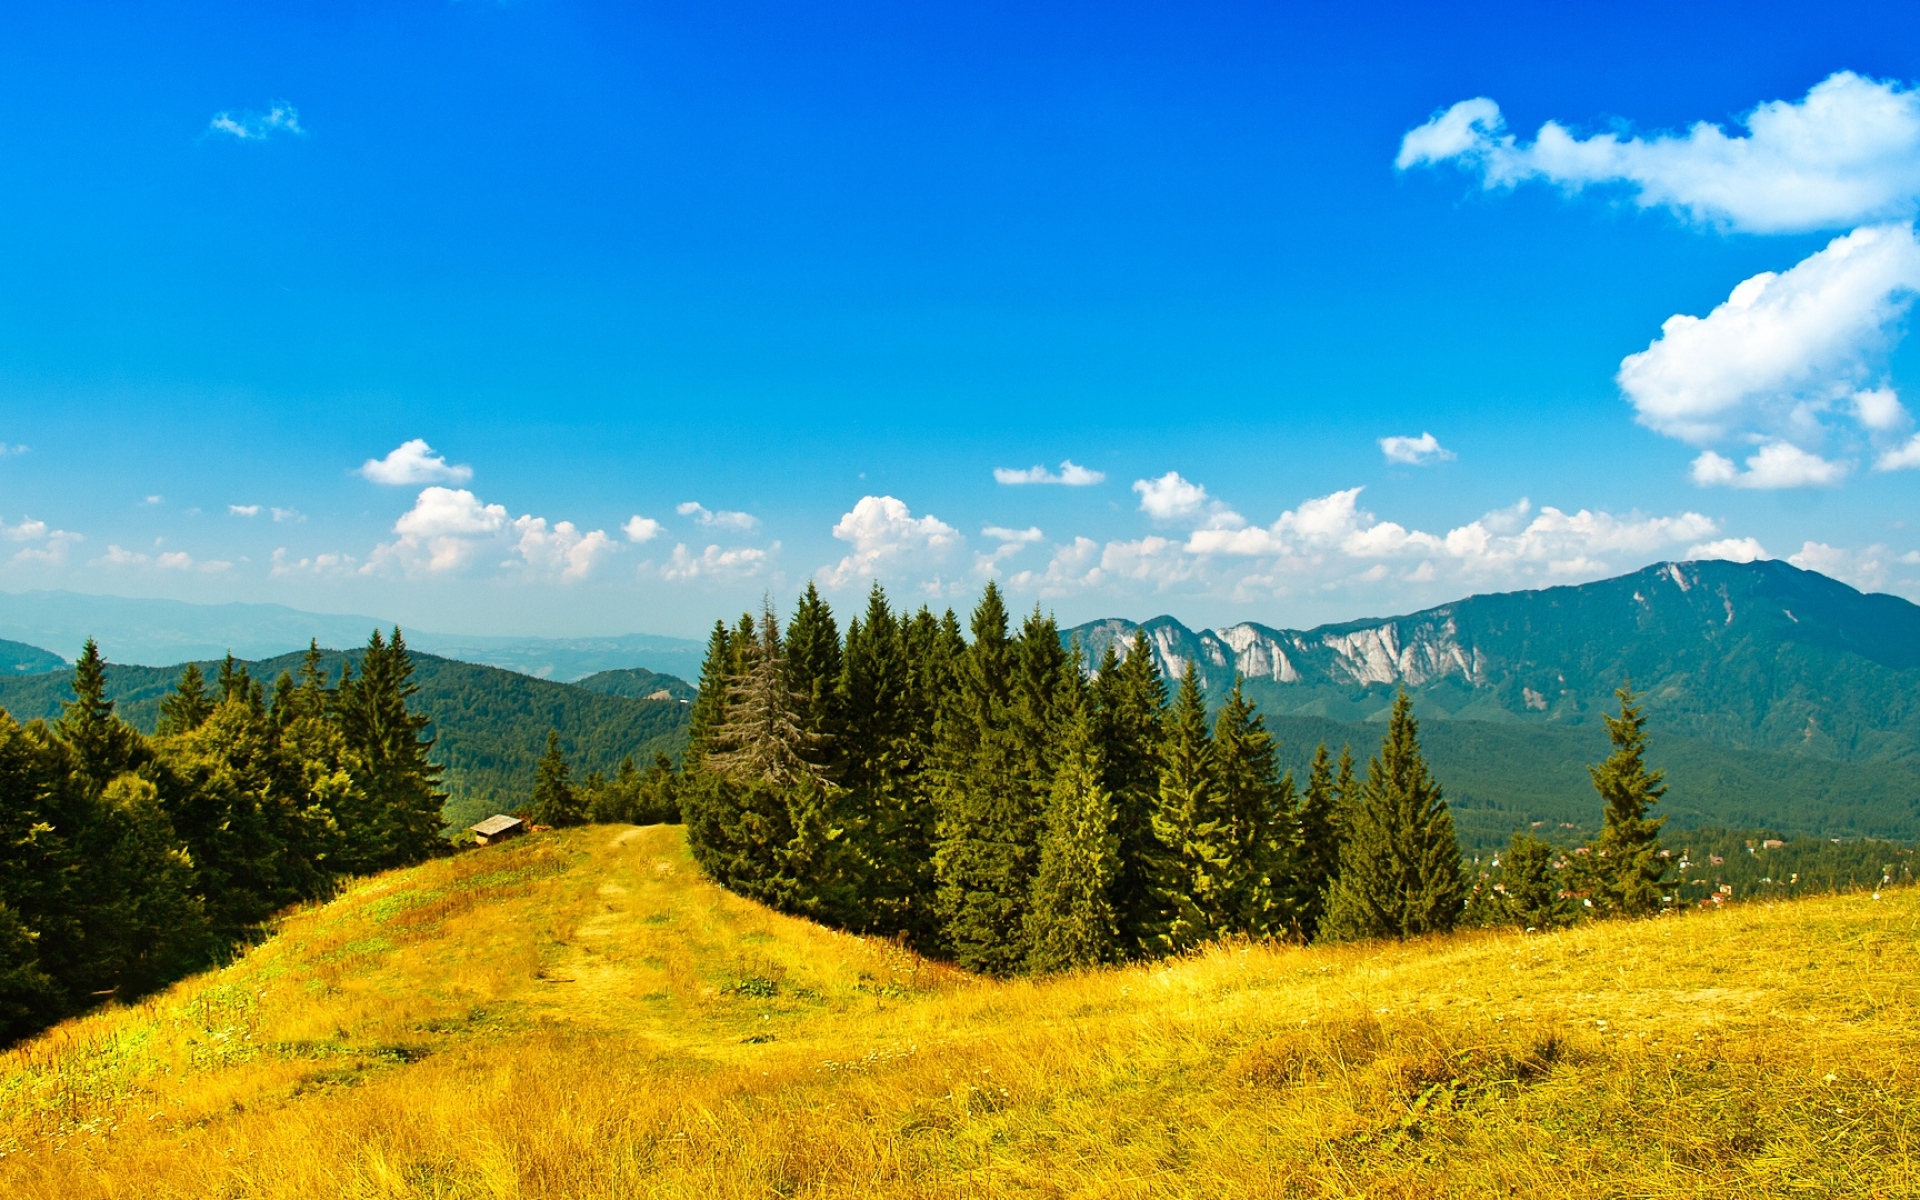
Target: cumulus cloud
{"type": "Point", "coordinates": [38, 543]}
{"type": "Point", "coordinates": [1001, 533]}
{"type": "Point", "coordinates": [741, 562]}
{"type": "Point", "coordinates": [887, 538]}
{"type": "Point", "coordinates": [8, 451]}
{"type": "Point", "coordinates": [1415, 451]}
{"type": "Point", "coordinates": [280, 118]}
{"type": "Point", "coordinates": [167, 560]}
{"type": "Point", "coordinates": [642, 529]}
{"type": "Point", "coordinates": [1071, 474]}
{"type": "Point", "coordinates": [450, 530]}
{"type": "Point", "coordinates": [1775, 465]}
{"type": "Point", "coordinates": [413, 462]}
{"type": "Point", "coordinates": [1172, 497]}
{"type": "Point", "coordinates": [737, 521]}
{"type": "Point", "coordinates": [1744, 549]}
{"type": "Point", "coordinates": [1332, 541]}
{"type": "Point", "coordinates": [324, 566]}
{"type": "Point", "coordinates": [1870, 568]}
{"type": "Point", "coordinates": [1900, 458]}
{"type": "Point", "coordinates": [1788, 360]}
{"type": "Point", "coordinates": [560, 551]}
{"type": "Point", "coordinates": [243, 510]}
{"type": "Point", "coordinates": [288, 515]}
{"type": "Point", "coordinates": [1847, 153]}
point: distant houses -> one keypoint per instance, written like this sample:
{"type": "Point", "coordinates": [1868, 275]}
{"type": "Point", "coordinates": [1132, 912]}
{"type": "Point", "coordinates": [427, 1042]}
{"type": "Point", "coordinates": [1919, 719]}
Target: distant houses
{"type": "Point", "coordinates": [497, 829]}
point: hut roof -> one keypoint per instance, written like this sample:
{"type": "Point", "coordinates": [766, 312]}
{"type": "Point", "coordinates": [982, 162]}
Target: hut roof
{"type": "Point", "coordinates": [495, 824]}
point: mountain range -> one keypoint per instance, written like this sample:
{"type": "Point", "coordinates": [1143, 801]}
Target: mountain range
{"type": "Point", "coordinates": [148, 632]}
{"type": "Point", "coordinates": [1776, 696]}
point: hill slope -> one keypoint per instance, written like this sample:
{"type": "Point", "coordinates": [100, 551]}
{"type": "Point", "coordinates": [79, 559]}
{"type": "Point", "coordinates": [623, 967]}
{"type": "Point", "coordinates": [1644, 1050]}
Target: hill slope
{"type": "Point", "coordinates": [491, 724]}
{"type": "Point", "coordinates": [580, 1015]}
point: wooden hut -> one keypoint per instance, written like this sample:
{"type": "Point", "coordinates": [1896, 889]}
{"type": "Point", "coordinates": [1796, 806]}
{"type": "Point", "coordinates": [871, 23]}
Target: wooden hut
{"type": "Point", "coordinates": [497, 829]}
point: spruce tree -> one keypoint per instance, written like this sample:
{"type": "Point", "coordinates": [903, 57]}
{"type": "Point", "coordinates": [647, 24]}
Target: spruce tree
{"type": "Point", "coordinates": [1317, 853]}
{"type": "Point", "coordinates": [102, 743]}
{"type": "Point", "coordinates": [888, 846]}
{"type": "Point", "coordinates": [1258, 824]}
{"type": "Point", "coordinates": [1529, 894]}
{"type": "Point", "coordinates": [986, 825]}
{"type": "Point", "coordinates": [1624, 870]}
{"type": "Point", "coordinates": [813, 657]}
{"type": "Point", "coordinates": [1129, 705]}
{"type": "Point", "coordinates": [1071, 922]}
{"type": "Point", "coordinates": [1400, 873]}
{"type": "Point", "coordinates": [555, 800]}
{"type": "Point", "coordinates": [187, 705]}
{"type": "Point", "coordinates": [391, 757]}
{"type": "Point", "coordinates": [1190, 823]}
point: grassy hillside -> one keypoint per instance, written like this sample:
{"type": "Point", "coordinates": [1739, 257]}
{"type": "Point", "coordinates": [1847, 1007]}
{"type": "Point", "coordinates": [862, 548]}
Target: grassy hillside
{"type": "Point", "coordinates": [579, 1015]}
{"type": "Point", "coordinates": [491, 723]}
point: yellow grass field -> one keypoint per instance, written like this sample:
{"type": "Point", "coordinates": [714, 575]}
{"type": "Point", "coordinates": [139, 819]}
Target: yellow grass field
{"type": "Point", "coordinates": [579, 1014]}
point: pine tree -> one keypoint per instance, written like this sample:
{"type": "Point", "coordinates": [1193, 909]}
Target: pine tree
{"type": "Point", "coordinates": [984, 856]}
{"type": "Point", "coordinates": [813, 657]}
{"type": "Point", "coordinates": [187, 705]}
{"type": "Point", "coordinates": [887, 844]}
{"type": "Point", "coordinates": [1258, 824]}
{"type": "Point", "coordinates": [1317, 853]}
{"type": "Point", "coordinates": [1190, 823]}
{"type": "Point", "coordinates": [390, 754]}
{"type": "Point", "coordinates": [104, 745]}
{"type": "Point", "coordinates": [1130, 700]}
{"type": "Point", "coordinates": [1071, 922]}
{"type": "Point", "coordinates": [1400, 870]}
{"type": "Point", "coordinates": [1624, 870]}
{"type": "Point", "coordinates": [555, 801]}
{"type": "Point", "coordinates": [1528, 895]}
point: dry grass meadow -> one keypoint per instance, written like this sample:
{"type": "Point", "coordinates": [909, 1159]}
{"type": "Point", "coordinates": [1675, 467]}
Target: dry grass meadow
{"type": "Point", "coordinates": [579, 1015]}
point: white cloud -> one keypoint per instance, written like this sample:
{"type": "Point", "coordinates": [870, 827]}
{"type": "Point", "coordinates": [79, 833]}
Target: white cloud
{"type": "Point", "coordinates": [1071, 474]}
{"type": "Point", "coordinates": [1867, 569]}
{"type": "Point", "coordinates": [560, 551]}
{"type": "Point", "coordinates": [28, 530]}
{"type": "Point", "coordinates": [243, 510]}
{"type": "Point", "coordinates": [1900, 458]}
{"type": "Point", "coordinates": [413, 462]}
{"type": "Point", "coordinates": [39, 544]}
{"type": "Point", "coordinates": [1001, 533]}
{"type": "Point", "coordinates": [1744, 549]}
{"type": "Point", "coordinates": [1787, 358]}
{"type": "Point", "coordinates": [448, 531]}
{"type": "Point", "coordinates": [714, 563]}
{"type": "Point", "coordinates": [155, 499]}
{"type": "Point", "coordinates": [1775, 465]}
{"type": "Point", "coordinates": [7, 451]}
{"type": "Point", "coordinates": [168, 560]}
{"type": "Point", "coordinates": [738, 521]}
{"type": "Point", "coordinates": [887, 538]}
{"type": "Point", "coordinates": [1846, 154]}
{"type": "Point", "coordinates": [281, 117]}
{"type": "Point", "coordinates": [1173, 498]}
{"type": "Point", "coordinates": [642, 529]}
{"type": "Point", "coordinates": [1074, 567]}
{"type": "Point", "coordinates": [292, 515]}
{"type": "Point", "coordinates": [1415, 451]}
{"type": "Point", "coordinates": [335, 566]}
{"type": "Point", "coordinates": [1332, 541]}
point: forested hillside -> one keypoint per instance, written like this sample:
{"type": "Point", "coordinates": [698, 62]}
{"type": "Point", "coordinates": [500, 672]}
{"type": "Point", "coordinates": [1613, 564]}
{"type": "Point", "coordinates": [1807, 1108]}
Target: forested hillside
{"type": "Point", "coordinates": [638, 683]}
{"type": "Point", "coordinates": [489, 725]}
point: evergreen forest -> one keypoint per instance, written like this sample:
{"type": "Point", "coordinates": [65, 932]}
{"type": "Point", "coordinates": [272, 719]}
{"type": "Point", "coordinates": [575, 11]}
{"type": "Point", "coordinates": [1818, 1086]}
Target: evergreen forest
{"type": "Point", "coordinates": [128, 860]}
{"type": "Point", "coordinates": [991, 797]}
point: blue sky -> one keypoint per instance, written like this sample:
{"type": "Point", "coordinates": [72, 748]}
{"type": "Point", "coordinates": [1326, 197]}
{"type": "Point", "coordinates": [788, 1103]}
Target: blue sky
{"type": "Point", "coordinates": [776, 289]}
